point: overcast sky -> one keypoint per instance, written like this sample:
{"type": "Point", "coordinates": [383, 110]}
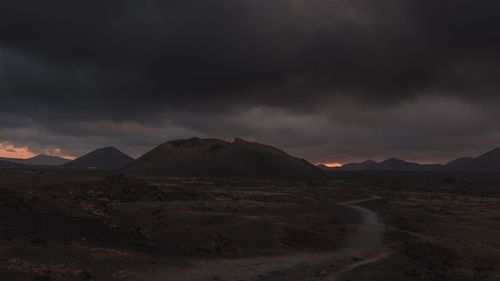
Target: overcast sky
{"type": "Point", "coordinates": [327, 80]}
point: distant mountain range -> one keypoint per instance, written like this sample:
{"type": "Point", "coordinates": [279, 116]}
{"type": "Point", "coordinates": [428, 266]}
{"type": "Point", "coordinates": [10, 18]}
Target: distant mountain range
{"type": "Point", "coordinates": [39, 160]}
{"type": "Point", "coordinates": [392, 164]}
{"type": "Point", "coordinates": [107, 158]}
{"type": "Point", "coordinates": [238, 159]}
{"type": "Point", "coordinates": [217, 158]}
{"type": "Point", "coordinates": [488, 162]}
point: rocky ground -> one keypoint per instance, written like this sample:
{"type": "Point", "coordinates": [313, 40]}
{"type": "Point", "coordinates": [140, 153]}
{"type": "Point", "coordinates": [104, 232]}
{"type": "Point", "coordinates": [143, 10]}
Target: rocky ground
{"type": "Point", "coordinates": [60, 225]}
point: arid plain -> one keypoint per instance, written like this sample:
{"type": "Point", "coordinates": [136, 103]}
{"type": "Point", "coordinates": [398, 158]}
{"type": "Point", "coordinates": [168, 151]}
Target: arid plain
{"type": "Point", "coordinates": [89, 225]}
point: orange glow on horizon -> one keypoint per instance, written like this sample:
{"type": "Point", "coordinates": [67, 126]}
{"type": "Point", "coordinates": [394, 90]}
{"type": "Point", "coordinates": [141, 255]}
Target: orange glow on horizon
{"type": "Point", "coordinates": [333, 165]}
{"type": "Point", "coordinates": [58, 152]}
{"type": "Point", "coordinates": [8, 150]}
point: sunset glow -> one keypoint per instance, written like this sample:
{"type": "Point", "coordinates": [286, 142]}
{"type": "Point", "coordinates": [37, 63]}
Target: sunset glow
{"type": "Point", "coordinates": [10, 151]}
{"type": "Point", "coordinates": [333, 165]}
{"type": "Point", "coordinates": [58, 152]}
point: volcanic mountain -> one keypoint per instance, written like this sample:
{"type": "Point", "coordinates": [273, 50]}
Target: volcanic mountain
{"type": "Point", "coordinates": [39, 160]}
{"type": "Point", "coordinates": [108, 158]}
{"type": "Point", "coordinates": [217, 158]}
{"type": "Point", "coordinates": [488, 162]}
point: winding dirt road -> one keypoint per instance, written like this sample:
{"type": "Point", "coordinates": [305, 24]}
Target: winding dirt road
{"type": "Point", "coordinates": [363, 247]}
{"type": "Point", "coordinates": [366, 242]}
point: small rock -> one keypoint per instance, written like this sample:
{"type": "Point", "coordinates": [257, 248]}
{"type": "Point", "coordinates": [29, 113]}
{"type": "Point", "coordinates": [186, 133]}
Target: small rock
{"type": "Point", "coordinates": [42, 278]}
{"type": "Point", "coordinates": [84, 274]}
{"type": "Point", "coordinates": [38, 240]}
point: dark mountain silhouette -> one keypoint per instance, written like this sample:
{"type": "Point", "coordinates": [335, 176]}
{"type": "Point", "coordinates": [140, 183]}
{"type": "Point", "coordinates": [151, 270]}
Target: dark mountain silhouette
{"type": "Point", "coordinates": [394, 164]}
{"type": "Point", "coordinates": [458, 163]}
{"type": "Point", "coordinates": [488, 162]}
{"type": "Point", "coordinates": [108, 158]}
{"type": "Point", "coordinates": [217, 158]}
{"type": "Point", "coordinates": [7, 164]}
{"type": "Point", "coordinates": [39, 160]}
{"type": "Point", "coordinates": [391, 164]}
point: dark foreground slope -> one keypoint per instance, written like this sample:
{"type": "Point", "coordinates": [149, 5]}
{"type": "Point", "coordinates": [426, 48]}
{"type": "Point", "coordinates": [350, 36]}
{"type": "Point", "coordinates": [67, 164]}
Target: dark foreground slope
{"type": "Point", "coordinates": [217, 158]}
{"type": "Point", "coordinates": [108, 158]}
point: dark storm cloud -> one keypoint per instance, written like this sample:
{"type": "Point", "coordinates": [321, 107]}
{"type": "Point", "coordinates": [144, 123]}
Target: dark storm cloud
{"type": "Point", "coordinates": [330, 75]}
